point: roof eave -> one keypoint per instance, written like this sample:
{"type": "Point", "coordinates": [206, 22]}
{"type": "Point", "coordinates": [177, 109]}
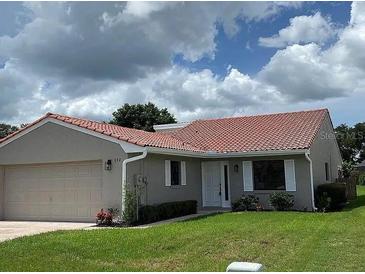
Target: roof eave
{"type": "Point", "coordinates": [174, 152]}
{"type": "Point", "coordinates": [126, 146]}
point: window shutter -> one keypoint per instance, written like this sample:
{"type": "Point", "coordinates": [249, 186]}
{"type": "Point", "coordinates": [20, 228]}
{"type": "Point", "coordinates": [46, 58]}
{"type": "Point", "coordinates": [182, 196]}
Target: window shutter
{"type": "Point", "coordinates": [247, 176]}
{"type": "Point", "coordinates": [290, 183]}
{"type": "Point", "coordinates": [167, 173]}
{"type": "Point", "coordinates": [183, 173]}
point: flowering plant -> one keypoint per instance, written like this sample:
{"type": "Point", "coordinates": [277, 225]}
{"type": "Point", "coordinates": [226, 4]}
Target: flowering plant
{"type": "Point", "coordinates": [106, 217]}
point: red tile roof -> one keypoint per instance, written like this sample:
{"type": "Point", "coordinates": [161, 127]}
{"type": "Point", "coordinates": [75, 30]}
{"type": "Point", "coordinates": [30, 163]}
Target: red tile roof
{"type": "Point", "coordinates": [281, 131]}
{"type": "Point", "coordinates": [130, 135]}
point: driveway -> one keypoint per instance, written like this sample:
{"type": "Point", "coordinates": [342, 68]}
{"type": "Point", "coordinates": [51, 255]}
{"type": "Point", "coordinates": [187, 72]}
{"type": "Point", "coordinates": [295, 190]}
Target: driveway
{"type": "Point", "coordinates": [14, 229]}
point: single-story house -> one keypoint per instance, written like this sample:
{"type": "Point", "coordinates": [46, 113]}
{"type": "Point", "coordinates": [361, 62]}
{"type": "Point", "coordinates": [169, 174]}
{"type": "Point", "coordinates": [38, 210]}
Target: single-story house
{"type": "Point", "coordinates": [66, 169]}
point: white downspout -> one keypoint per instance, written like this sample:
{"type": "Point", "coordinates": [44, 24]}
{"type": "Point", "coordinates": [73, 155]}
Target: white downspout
{"type": "Point", "coordinates": [124, 173]}
{"type": "Point", "coordinates": [311, 175]}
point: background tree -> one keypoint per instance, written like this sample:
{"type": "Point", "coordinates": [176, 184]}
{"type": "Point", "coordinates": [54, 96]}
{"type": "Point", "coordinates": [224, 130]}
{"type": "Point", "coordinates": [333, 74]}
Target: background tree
{"type": "Point", "coordinates": [6, 129]}
{"type": "Point", "coordinates": [351, 141]}
{"type": "Point", "coordinates": [141, 116]}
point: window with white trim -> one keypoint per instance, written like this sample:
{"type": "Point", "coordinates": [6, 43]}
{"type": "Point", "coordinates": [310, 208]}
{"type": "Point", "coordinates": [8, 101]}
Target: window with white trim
{"type": "Point", "coordinates": [175, 173]}
{"type": "Point", "coordinates": [268, 175]}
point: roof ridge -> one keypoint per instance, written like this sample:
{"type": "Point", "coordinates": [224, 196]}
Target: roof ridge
{"type": "Point", "coordinates": [260, 115]}
{"type": "Point", "coordinates": [98, 122]}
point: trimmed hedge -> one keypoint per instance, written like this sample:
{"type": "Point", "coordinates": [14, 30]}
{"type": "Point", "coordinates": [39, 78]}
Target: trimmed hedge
{"type": "Point", "coordinates": [154, 213]}
{"type": "Point", "coordinates": [335, 193]}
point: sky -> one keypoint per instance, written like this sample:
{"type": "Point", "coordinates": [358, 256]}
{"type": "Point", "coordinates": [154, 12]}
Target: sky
{"type": "Point", "coordinates": [197, 59]}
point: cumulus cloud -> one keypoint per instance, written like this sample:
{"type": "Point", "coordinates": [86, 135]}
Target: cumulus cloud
{"type": "Point", "coordinates": [121, 41]}
{"type": "Point", "coordinates": [190, 95]}
{"type": "Point", "coordinates": [307, 72]}
{"type": "Point", "coordinates": [302, 29]}
{"type": "Point", "coordinates": [71, 53]}
{"type": "Point", "coordinates": [86, 59]}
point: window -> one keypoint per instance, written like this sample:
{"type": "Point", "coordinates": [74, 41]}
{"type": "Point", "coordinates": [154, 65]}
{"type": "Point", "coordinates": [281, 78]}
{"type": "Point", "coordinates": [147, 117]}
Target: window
{"type": "Point", "coordinates": [326, 170]}
{"type": "Point", "coordinates": [175, 173]}
{"type": "Point", "coordinates": [269, 175]}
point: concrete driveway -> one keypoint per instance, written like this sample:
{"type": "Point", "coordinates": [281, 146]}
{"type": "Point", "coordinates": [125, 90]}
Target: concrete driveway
{"type": "Point", "coordinates": [14, 229]}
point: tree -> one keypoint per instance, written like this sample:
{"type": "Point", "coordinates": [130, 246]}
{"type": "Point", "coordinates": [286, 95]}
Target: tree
{"type": "Point", "coordinates": [141, 116]}
{"type": "Point", "coordinates": [6, 129]}
{"type": "Point", "coordinates": [351, 141]}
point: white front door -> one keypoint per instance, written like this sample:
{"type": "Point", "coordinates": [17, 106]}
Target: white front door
{"type": "Point", "coordinates": [216, 189]}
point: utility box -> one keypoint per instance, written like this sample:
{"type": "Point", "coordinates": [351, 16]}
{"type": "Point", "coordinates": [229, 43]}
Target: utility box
{"type": "Point", "coordinates": [244, 267]}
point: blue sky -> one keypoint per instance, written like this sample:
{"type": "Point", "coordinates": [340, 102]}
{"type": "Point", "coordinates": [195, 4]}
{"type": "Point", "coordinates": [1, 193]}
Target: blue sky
{"type": "Point", "coordinates": [243, 51]}
{"type": "Point", "coordinates": [199, 60]}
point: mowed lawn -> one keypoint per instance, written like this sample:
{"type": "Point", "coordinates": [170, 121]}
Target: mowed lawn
{"type": "Point", "coordinates": [281, 241]}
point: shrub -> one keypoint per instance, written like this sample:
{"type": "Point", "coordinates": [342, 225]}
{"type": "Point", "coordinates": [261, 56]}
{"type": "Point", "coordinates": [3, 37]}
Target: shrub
{"type": "Point", "coordinates": [129, 214]}
{"type": "Point", "coordinates": [323, 202]}
{"type": "Point", "coordinates": [347, 168]}
{"type": "Point", "coordinates": [154, 213]}
{"type": "Point", "coordinates": [336, 193]}
{"type": "Point", "coordinates": [281, 201]}
{"type": "Point", "coordinates": [244, 203]}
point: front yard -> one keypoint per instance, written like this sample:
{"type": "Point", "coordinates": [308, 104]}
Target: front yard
{"type": "Point", "coordinates": [282, 241]}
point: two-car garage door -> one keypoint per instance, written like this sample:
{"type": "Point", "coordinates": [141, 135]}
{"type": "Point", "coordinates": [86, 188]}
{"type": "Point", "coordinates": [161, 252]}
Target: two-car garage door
{"type": "Point", "coordinates": [69, 192]}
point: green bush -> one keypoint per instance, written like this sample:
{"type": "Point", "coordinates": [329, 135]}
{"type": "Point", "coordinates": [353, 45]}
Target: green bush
{"type": "Point", "coordinates": [129, 215]}
{"type": "Point", "coordinates": [335, 193]}
{"type": "Point", "coordinates": [323, 202]}
{"type": "Point", "coordinates": [281, 201]}
{"type": "Point", "coordinates": [245, 203]}
{"type": "Point", "coordinates": [347, 168]}
{"type": "Point", "coordinates": [154, 213]}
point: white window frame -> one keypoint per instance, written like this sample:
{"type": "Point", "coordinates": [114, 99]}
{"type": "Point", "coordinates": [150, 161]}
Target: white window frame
{"type": "Point", "coordinates": [168, 173]}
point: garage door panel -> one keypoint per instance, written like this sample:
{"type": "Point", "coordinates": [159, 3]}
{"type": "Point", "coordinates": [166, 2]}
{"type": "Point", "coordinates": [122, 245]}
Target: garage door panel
{"type": "Point", "coordinates": [54, 192]}
{"type": "Point", "coordinates": [83, 212]}
{"type": "Point", "coordinates": [96, 196]}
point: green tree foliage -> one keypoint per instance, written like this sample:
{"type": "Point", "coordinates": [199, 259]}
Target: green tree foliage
{"type": "Point", "coordinates": [6, 129]}
{"type": "Point", "coordinates": [141, 116]}
{"type": "Point", "coordinates": [351, 141]}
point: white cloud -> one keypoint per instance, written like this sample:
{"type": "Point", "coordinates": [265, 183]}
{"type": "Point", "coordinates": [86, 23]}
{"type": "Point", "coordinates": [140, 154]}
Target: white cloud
{"type": "Point", "coordinates": [302, 29]}
{"type": "Point", "coordinates": [75, 54]}
{"type": "Point", "coordinates": [307, 72]}
{"type": "Point", "coordinates": [189, 95]}
{"type": "Point", "coordinates": [89, 63]}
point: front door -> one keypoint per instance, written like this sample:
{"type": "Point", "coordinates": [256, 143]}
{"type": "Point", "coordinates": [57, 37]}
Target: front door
{"type": "Point", "coordinates": [216, 189]}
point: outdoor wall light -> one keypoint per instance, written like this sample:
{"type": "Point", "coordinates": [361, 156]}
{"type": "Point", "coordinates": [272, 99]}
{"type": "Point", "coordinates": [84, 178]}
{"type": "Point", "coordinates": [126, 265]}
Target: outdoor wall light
{"type": "Point", "coordinates": [108, 165]}
{"type": "Point", "coordinates": [235, 168]}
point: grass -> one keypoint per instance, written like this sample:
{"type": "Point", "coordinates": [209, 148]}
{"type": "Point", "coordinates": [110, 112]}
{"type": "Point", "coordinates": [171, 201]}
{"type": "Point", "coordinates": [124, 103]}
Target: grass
{"type": "Point", "coordinates": [281, 241]}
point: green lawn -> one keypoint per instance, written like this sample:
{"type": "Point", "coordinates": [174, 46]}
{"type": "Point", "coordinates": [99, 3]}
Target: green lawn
{"type": "Point", "coordinates": [282, 241]}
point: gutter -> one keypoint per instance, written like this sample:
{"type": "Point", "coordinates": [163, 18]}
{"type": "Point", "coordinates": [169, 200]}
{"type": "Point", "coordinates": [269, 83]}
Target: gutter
{"type": "Point", "coordinates": [307, 153]}
{"type": "Point", "coordinates": [124, 173]}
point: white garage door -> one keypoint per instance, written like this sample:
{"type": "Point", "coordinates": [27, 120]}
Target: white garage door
{"type": "Point", "coordinates": [62, 192]}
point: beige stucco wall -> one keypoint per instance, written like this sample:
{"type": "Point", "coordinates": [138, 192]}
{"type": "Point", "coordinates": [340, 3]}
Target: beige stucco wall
{"type": "Point", "coordinates": [153, 167]}
{"type": "Point", "coordinates": [324, 149]}
{"type": "Point", "coordinates": [302, 196]}
{"type": "Point", "coordinates": [52, 143]}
